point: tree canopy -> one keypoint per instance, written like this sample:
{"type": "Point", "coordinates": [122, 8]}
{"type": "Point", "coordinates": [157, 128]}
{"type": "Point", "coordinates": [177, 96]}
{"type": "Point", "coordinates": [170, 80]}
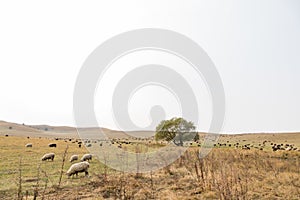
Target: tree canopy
{"type": "Point", "coordinates": [176, 129]}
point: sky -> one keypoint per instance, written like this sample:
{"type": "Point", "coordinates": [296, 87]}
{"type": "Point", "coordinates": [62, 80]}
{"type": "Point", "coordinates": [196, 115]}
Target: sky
{"type": "Point", "coordinates": [254, 45]}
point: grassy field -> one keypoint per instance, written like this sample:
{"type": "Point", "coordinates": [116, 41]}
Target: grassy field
{"type": "Point", "coordinates": [13, 150]}
{"type": "Point", "coordinates": [226, 173]}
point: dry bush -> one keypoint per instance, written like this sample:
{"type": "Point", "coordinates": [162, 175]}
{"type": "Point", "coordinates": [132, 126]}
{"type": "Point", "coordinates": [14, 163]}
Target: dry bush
{"type": "Point", "coordinates": [223, 174]}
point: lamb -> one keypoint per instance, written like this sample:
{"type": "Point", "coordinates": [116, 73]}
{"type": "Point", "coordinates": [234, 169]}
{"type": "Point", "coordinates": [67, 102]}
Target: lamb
{"type": "Point", "coordinates": [48, 156]}
{"type": "Point", "coordinates": [28, 145]}
{"type": "Point", "coordinates": [73, 158]}
{"type": "Point", "coordinates": [86, 157]}
{"type": "Point", "coordinates": [78, 167]}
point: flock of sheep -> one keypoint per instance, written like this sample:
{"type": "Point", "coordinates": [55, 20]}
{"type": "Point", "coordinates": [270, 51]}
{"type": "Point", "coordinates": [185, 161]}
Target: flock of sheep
{"type": "Point", "coordinates": [274, 146]}
{"type": "Point", "coordinates": [75, 168]}
{"type": "Point", "coordinates": [84, 165]}
{"type": "Point", "coordinates": [286, 147]}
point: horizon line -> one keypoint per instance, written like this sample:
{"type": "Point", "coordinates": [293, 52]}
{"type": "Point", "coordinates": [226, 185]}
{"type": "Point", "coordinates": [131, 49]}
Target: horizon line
{"type": "Point", "coordinates": [198, 131]}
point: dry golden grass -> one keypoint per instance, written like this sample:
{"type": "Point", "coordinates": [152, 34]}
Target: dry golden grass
{"type": "Point", "coordinates": [226, 173]}
{"type": "Point", "coordinates": [13, 148]}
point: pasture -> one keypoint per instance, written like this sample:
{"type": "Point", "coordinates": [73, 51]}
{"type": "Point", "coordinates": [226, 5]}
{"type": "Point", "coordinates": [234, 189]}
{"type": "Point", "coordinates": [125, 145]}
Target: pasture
{"type": "Point", "coordinates": [228, 172]}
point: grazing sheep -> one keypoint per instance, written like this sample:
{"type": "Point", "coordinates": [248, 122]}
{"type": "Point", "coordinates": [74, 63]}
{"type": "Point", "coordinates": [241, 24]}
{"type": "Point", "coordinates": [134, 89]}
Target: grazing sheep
{"type": "Point", "coordinates": [28, 145]}
{"type": "Point", "coordinates": [274, 147]}
{"type": "Point", "coordinates": [52, 145]}
{"type": "Point", "coordinates": [73, 158]}
{"type": "Point", "coordinates": [48, 156]}
{"type": "Point", "coordinates": [78, 167]}
{"type": "Point", "coordinates": [288, 148]}
{"type": "Point", "coordinates": [86, 157]}
{"type": "Point", "coordinates": [88, 145]}
{"type": "Point", "coordinates": [246, 147]}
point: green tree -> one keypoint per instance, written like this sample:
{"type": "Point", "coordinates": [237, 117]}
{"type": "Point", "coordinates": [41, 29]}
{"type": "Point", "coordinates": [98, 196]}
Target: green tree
{"type": "Point", "coordinates": [176, 129]}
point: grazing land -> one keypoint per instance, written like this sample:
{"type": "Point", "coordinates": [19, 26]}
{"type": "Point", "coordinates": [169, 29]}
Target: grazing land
{"type": "Point", "coordinates": [243, 166]}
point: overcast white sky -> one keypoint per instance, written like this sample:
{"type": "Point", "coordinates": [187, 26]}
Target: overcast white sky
{"type": "Point", "coordinates": [254, 44]}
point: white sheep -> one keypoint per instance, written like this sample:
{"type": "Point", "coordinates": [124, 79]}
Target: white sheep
{"type": "Point", "coordinates": [78, 167]}
{"type": "Point", "coordinates": [48, 156]}
{"type": "Point", "coordinates": [86, 157]}
{"type": "Point", "coordinates": [73, 158]}
{"type": "Point", "coordinates": [289, 148]}
{"type": "Point", "coordinates": [28, 145]}
{"type": "Point", "coordinates": [89, 145]}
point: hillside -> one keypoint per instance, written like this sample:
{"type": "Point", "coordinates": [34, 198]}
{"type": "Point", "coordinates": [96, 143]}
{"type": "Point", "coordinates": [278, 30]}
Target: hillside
{"type": "Point", "coordinates": [14, 129]}
{"type": "Point", "coordinates": [24, 130]}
